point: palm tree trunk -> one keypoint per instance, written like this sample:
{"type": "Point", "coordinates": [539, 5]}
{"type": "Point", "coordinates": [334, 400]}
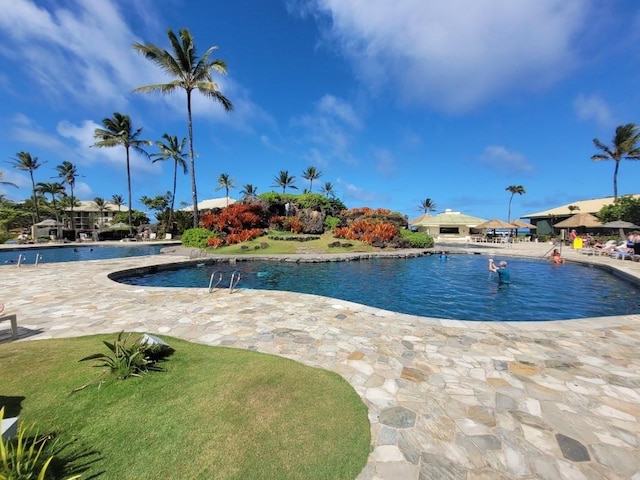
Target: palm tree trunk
{"type": "Point", "coordinates": [615, 181]}
{"type": "Point", "coordinates": [173, 196]}
{"type": "Point", "coordinates": [129, 188]}
{"type": "Point", "coordinates": [35, 198]}
{"type": "Point", "coordinates": [55, 210]}
{"type": "Point", "coordinates": [509, 214]}
{"type": "Point", "coordinates": [73, 224]}
{"type": "Point", "coordinates": [194, 193]}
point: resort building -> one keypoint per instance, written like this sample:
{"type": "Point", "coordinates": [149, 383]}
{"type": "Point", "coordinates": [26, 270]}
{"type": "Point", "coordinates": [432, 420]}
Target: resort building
{"type": "Point", "coordinates": [87, 215]}
{"type": "Point", "coordinates": [545, 220]}
{"type": "Point", "coordinates": [447, 224]}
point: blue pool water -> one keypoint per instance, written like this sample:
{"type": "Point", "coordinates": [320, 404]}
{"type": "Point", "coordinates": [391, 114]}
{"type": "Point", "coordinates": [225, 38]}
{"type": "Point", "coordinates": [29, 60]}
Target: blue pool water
{"type": "Point", "coordinates": [460, 288]}
{"type": "Point", "coordinates": [74, 253]}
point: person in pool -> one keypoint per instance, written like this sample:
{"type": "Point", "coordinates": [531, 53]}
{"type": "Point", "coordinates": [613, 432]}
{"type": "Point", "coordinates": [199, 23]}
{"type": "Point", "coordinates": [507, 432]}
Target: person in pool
{"type": "Point", "coordinates": [504, 277]}
{"type": "Point", "coordinates": [443, 255]}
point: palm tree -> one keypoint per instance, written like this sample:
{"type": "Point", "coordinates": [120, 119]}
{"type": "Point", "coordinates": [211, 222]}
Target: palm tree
{"type": "Point", "coordinates": [118, 131]}
{"type": "Point", "coordinates": [328, 189]}
{"type": "Point", "coordinates": [101, 204]}
{"type": "Point", "coordinates": [284, 180]}
{"type": "Point", "coordinates": [117, 200]}
{"type": "Point", "coordinates": [53, 189]}
{"type": "Point", "coordinates": [225, 181]}
{"type": "Point", "coordinates": [24, 161]}
{"type": "Point", "coordinates": [68, 172]}
{"type": "Point", "coordinates": [624, 146]}
{"type": "Point", "coordinates": [2, 182]}
{"type": "Point", "coordinates": [427, 205]}
{"type": "Point", "coordinates": [189, 74]}
{"type": "Point", "coordinates": [519, 189]}
{"type": "Point", "coordinates": [172, 150]}
{"type": "Point", "coordinates": [311, 174]}
{"type": "Point", "coordinates": [249, 192]}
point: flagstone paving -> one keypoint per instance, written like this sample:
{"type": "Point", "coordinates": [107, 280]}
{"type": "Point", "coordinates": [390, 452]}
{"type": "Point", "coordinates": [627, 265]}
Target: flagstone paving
{"type": "Point", "coordinates": [447, 399]}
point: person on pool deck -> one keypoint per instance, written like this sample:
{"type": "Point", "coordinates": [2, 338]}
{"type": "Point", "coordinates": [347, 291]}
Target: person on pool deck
{"type": "Point", "coordinates": [504, 277]}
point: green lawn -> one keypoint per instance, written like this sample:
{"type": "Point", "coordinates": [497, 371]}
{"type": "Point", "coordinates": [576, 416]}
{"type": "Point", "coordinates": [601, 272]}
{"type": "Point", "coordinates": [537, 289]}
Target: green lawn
{"type": "Point", "coordinates": [215, 413]}
{"type": "Point", "coordinates": [290, 246]}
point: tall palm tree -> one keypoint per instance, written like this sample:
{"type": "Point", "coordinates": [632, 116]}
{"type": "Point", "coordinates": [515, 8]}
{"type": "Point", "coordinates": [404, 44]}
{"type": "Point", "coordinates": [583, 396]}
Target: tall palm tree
{"type": "Point", "coordinates": [117, 200]}
{"type": "Point", "coordinates": [2, 182]}
{"type": "Point", "coordinates": [624, 146]}
{"type": "Point", "coordinates": [53, 189]}
{"type": "Point", "coordinates": [101, 205]}
{"type": "Point", "coordinates": [172, 150]}
{"type": "Point", "coordinates": [284, 180]}
{"type": "Point", "coordinates": [189, 73]}
{"type": "Point", "coordinates": [249, 192]}
{"type": "Point", "coordinates": [519, 189]}
{"type": "Point", "coordinates": [68, 172]}
{"type": "Point", "coordinates": [25, 162]}
{"type": "Point", "coordinates": [427, 205]}
{"type": "Point", "coordinates": [225, 181]}
{"type": "Point", "coordinates": [328, 189]}
{"type": "Point", "coordinates": [118, 131]}
{"type": "Point", "coordinates": [311, 174]}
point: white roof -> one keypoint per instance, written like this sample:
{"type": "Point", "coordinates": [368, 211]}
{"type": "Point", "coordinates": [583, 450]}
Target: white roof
{"type": "Point", "coordinates": [584, 206]}
{"type": "Point", "coordinates": [210, 204]}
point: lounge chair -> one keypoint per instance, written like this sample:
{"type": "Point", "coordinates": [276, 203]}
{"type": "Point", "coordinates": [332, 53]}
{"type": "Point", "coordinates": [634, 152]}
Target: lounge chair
{"type": "Point", "coordinates": [10, 318]}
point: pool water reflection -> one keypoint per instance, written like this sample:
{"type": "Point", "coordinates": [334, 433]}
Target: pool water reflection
{"type": "Point", "coordinates": [459, 288]}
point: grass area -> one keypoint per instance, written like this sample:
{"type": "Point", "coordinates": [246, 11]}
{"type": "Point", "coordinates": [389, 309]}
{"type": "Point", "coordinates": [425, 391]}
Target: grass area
{"type": "Point", "coordinates": [214, 413]}
{"type": "Point", "coordinates": [290, 247]}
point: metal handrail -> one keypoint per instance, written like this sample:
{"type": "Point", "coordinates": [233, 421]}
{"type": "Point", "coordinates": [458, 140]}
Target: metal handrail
{"type": "Point", "coordinates": [211, 280]}
{"type": "Point", "coordinates": [235, 278]}
{"type": "Point", "coordinates": [21, 258]}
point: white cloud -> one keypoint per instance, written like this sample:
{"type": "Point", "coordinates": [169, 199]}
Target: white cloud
{"type": "Point", "coordinates": [353, 192]}
{"type": "Point", "coordinates": [505, 161]}
{"type": "Point", "coordinates": [453, 54]}
{"type": "Point", "coordinates": [330, 128]}
{"type": "Point", "coordinates": [385, 163]}
{"type": "Point", "coordinates": [593, 107]}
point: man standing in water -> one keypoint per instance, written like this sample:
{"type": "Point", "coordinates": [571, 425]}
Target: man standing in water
{"type": "Point", "coordinates": [504, 277]}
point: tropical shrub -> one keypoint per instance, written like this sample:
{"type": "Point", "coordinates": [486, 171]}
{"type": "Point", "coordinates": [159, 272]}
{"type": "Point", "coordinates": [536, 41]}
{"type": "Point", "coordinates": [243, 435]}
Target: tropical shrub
{"type": "Point", "coordinates": [196, 237]}
{"type": "Point", "coordinates": [417, 239]}
{"type": "Point", "coordinates": [130, 360]}
{"type": "Point", "coordinates": [293, 223]}
{"type": "Point", "coordinates": [332, 222]}
{"type": "Point", "coordinates": [23, 458]}
{"type": "Point", "coordinates": [368, 231]}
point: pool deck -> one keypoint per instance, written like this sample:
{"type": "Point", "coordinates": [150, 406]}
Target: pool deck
{"type": "Point", "coordinates": [447, 399]}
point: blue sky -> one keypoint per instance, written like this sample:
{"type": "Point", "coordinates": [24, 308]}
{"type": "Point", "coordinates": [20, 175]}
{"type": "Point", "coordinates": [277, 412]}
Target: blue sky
{"type": "Point", "coordinates": [393, 101]}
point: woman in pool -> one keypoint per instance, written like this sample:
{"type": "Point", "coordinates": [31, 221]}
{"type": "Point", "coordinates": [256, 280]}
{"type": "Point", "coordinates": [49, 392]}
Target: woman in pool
{"type": "Point", "coordinates": [556, 258]}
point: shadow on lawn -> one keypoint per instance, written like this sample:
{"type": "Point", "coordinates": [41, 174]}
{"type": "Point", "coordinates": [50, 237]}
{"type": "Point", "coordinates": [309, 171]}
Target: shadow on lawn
{"type": "Point", "coordinates": [71, 458]}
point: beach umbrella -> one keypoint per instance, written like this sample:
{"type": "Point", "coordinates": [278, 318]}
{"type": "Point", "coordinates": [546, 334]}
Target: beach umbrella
{"type": "Point", "coordinates": [579, 220]}
{"type": "Point", "coordinates": [620, 225]}
{"type": "Point", "coordinates": [521, 224]}
{"type": "Point", "coordinates": [495, 224]}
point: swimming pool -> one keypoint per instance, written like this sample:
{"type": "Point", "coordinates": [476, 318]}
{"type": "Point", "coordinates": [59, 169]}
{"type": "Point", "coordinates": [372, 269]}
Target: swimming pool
{"type": "Point", "coordinates": [460, 288]}
{"type": "Point", "coordinates": [74, 253]}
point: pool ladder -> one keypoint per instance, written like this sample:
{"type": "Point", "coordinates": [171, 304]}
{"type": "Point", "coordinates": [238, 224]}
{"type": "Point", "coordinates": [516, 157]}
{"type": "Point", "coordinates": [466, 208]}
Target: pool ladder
{"type": "Point", "coordinates": [23, 258]}
{"type": "Point", "coordinates": [216, 279]}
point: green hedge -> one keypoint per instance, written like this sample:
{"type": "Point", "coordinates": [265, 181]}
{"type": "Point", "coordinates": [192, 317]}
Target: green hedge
{"type": "Point", "coordinates": [196, 237]}
{"type": "Point", "coordinates": [417, 239]}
